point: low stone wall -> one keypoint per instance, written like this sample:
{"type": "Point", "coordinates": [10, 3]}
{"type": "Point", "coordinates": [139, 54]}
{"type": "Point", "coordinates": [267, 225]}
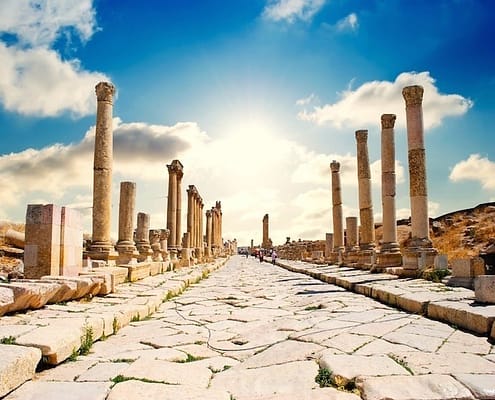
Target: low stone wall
{"type": "Point", "coordinates": [301, 249]}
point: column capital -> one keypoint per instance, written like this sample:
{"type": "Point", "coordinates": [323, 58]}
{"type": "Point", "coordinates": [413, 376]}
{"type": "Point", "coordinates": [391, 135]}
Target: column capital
{"type": "Point", "coordinates": [176, 167]}
{"type": "Point", "coordinates": [335, 166]}
{"type": "Point", "coordinates": [388, 121]}
{"type": "Point", "coordinates": [164, 234]}
{"type": "Point", "coordinates": [208, 213]}
{"type": "Point", "coordinates": [413, 95]}
{"type": "Point", "coordinates": [105, 91]}
{"type": "Point", "coordinates": [362, 135]}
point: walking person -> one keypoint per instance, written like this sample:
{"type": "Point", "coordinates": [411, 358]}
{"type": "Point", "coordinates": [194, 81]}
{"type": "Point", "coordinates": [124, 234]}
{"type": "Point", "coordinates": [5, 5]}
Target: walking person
{"type": "Point", "coordinates": [261, 256]}
{"type": "Point", "coordinates": [274, 257]}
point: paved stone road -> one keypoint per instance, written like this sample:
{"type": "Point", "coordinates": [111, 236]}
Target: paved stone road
{"type": "Point", "coordinates": [255, 331]}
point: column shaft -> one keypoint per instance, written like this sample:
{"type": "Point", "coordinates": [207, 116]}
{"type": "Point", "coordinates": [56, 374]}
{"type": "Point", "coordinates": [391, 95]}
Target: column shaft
{"type": "Point", "coordinates": [178, 215]}
{"type": "Point", "coordinates": [351, 233]}
{"type": "Point", "coordinates": [126, 213]}
{"type": "Point", "coordinates": [172, 207]}
{"type": "Point", "coordinates": [338, 228]}
{"type": "Point", "coordinates": [190, 212]}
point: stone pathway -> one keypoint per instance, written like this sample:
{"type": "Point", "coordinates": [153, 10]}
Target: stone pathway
{"type": "Point", "coordinates": [256, 331]}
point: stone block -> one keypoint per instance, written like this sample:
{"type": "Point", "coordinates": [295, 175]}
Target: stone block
{"type": "Point", "coordinates": [61, 391]}
{"type": "Point", "coordinates": [155, 268]}
{"type": "Point", "coordinates": [461, 268]}
{"type": "Point", "coordinates": [137, 271]}
{"type": "Point", "coordinates": [18, 365]}
{"type": "Point", "coordinates": [119, 274]}
{"type": "Point", "coordinates": [81, 286]}
{"type": "Point", "coordinates": [42, 248]}
{"type": "Point", "coordinates": [31, 294]}
{"type": "Point", "coordinates": [105, 280]}
{"type": "Point", "coordinates": [484, 289]}
{"type": "Point", "coordinates": [7, 299]}
{"type": "Point", "coordinates": [481, 385]}
{"type": "Point", "coordinates": [71, 241]}
{"type": "Point", "coordinates": [441, 262]}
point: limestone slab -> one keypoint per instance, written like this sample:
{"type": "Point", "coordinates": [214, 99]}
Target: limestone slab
{"type": "Point", "coordinates": [17, 365]}
{"type": "Point", "coordinates": [481, 385]}
{"type": "Point", "coordinates": [36, 390]}
{"type": "Point", "coordinates": [67, 372]}
{"type": "Point", "coordinates": [102, 372]}
{"type": "Point", "coordinates": [168, 372]}
{"type": "Point", "coordinates": [424, 387]}
{"type": "Point", "coordinates": [30, 294]}
{"type": "Point", "coordinates": [289, 379]}
{"type": "Point", "coordinates": [138, 390]}
{"type": "Point", "coordinates": [345, 368]}
{"type": "Point", "coordinates": [484, 289]}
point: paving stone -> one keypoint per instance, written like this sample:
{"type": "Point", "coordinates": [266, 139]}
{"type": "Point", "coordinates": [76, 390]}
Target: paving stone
{"type": "Point", "coordinates": [345, 368]}
{"type": "Point", "coordinates": [103, 372]}
{"type": "Point", "coordinates": [481, 385]}
{"type": "Point", "coordinates": [348, 342]}
{"type": "Point", "coordinates": [17, 365]}
{"type": "Point", "coordinates": [138, 390]}
{"type": "Point", "coordinates": [61, 391]}
{"type": "Point", "coordinates": [424, 387]}
{"type": "Point", "coordinates": [66, 372]}
{"type": "Point", "coordinates": [461, 341]}
{"type": "Point", "coordinates": [281, 353]}
{"type": "Point", "coordinates": [197, 350]}
{"type": "Point", "coordinates": [314, 394]}
{"type": "Point", "coordinates": [189, 373]}
{"type": "Point", "coordinates": [217, 364]}
{"type": "Point", "coordinates": [447, 363]}
{"type": "Point", "coordinates": [380, 346]}
{"type": "Point", "coordinates": [292, 379]}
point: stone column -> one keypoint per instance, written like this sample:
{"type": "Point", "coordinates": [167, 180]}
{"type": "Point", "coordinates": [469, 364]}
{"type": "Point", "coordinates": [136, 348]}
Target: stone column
{"type": "Point", "coordinates": [264, 242]}
{"type": "Point", "coordinates": [190, 212]}
{"type": "Point", "coordinates": [154, 237]}
{"type": "Point", "coordinates": [101, 246]}
{"type": "Point", "coordinates": [389, 252]}
{"type": "Point", "coordinates": [328, 244]}
{"type": "Point", "coordinates": [420, 239]}
{"type": "Point", "coordinates": [208, 233]}
{"type": "Point", "coordinates": [125, 246]}
{"type": "Point", "coordinates": [220, 216]}
{"type": "Point", "coordinates": [175, 173]}
{"type": "Point", "coordinates": [163, 240]}
{"type": "Point", "coordinates": [352, 239]}
{"type": "Point", "coordinates": [201, 242]}
{"type": "Point", "coordinates": [338, 224]}
{"type": "Point", "coordinates": [178, 223]}
{"type": "Point", "coordinates": [364, 187]}
{"type": "Point", "coordinates": [142, 237]}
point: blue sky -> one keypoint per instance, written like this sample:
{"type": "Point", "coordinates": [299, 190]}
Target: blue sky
{"type": "Point", "coordinates": [255, 97]}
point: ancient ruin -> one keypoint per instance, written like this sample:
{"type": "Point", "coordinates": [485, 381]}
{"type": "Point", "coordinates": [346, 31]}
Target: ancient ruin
{"type": "Point", "coordinates": [338, 222]}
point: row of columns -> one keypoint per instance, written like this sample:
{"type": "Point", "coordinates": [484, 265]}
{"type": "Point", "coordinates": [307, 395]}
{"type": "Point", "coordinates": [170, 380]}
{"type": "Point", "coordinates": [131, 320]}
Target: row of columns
{"type": "Point", "coordinates": [146, 245]}
{"type": "Point", "coordinates": [418, 250]}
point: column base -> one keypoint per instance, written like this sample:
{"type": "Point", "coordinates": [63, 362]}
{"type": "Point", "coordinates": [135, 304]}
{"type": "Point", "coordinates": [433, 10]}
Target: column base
{"type": "Point", "coordinates": [127, 255]}
{"type": "Point", "coordinates": [145, 252]}
{"type": "Point", "coordinates": [418, 254]}
{"type": "Point", "coordinates": [388, 258]}
{"type": "Point", "coordinates": [102, 251]}
{"type": "Point", "coordinates": [350, 258]}
{"type": "Point", "coordinates": [366, 258]}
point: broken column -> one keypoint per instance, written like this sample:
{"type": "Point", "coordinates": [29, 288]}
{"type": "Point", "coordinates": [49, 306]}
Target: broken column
{"type": "Point", "coordinates": [389, 253]}
{"type": "Point", "coordinates": [328, 244]}
{"type": "Point", "coordinates": [164, 235]}
{"type": "Point", "coordinates": [125, 246]}
{"type": "Point", "coordinates": [338, 224]}
{"type": "Point", "coordinates": [366, 256]}
{"type": "Point", "coordinates": [101, 246]}
{"type": "Point", "coordinates": [418, 252]}
{"type": "Point", "coordinates": [71, 241]}
{"type": "Point", "coordinates": [142, 237]}
{"type": "Point", "coordinates": [266, 242]}
{"type": "Point", "coordinates": [351, 245]}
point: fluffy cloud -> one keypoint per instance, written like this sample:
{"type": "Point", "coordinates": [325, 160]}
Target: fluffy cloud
{"type": "Point", "coordinates": [34, 79]}
{"type": "Point", "coordinates": [364, 105]}
{"type": "Point", "coordinates": [39, 22]}
{"type": "Point", "coordinates": [349, 23]}
{"type": "Point", "coordinates": [475, 168]}
{"type": "Point", "coordinates": [292, 10]}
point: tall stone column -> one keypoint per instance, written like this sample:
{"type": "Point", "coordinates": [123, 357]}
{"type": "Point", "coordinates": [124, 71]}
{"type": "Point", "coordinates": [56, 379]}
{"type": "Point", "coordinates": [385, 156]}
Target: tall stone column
{"type": "Point", "coordinates": [264, 242]}
{"type": "Point", "coordinates": [101, 246]}
{"type": "Point", "coordinates": [389, 252]}
{"type": "Point", "coordinates": [175, 173]}
{"type": "Point", "coordinates": [338, 224]}
{"type": "Point", "coordinates": [208, 233]}
{"type": "Point", "coordinates": [142, 237]}
{"type": "Point", "coordinates": [201, 242]}
{"type": "Point", "coordinates": [220, 225]}
{"type": "Point", "coordinates": [190, 212]}
{"type": "Point", "coordinates": [420, 242]}
{"type": "Point", "coordinates": [125, 246]}
{"type": "Point", "coordinates": [178, 223]}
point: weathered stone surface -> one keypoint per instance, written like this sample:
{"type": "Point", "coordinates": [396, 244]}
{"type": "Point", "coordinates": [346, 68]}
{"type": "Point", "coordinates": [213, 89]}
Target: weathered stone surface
{"type": "Point", "coordinates": [137, 271]}
{"type": "Point", "coordinates": [77, 287]}
{"type": "Point", "coordinates": [67, 371]}
{"type": "Point", "coordinates": [29, 294]}
{"type": "Point", "coordinates": [484, 288]}
{"type": "Point", "coordinates": [36, 390]}
{"type": "Point", "coordinates": [17, 365]}
{"type": "Point", "coordinates": [171, 373]}
{"type": "Point", "coordinates": [426, 387]}
{"type": "Point", "coordinates": [137, 390]}
{"type": "Point", "coordinates": [345, 368]}
{"type": "Point", "coordinates": [481, 385]}
{"type": "Point", "coordinates": [7, 299]}
{"type": "Point", "coordinates": [102, 372]}
{"type": "Point", "coordinates": [291, 379]}
{"type": "Point", "coordinates": [463, 314]}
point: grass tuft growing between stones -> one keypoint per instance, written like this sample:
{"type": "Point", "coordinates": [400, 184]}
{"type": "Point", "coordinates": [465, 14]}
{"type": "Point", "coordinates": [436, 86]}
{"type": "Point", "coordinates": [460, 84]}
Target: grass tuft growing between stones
{"type": "Point", "coordinates": [115, 325]}
{"type": "Point", "coordinates": [7, 340]}
{"type": "Point", "coordinates": [122, 378]}
{"type": "Point", "coordinates": [190, 358]}
{"type": "Point", "coordinates": [401, 362]}
{"type": "Point", "coordinates": [314, 308]}
{"type": "Point", "coordinates": [435, 275]}
{"type": "Point", "coordinates": [86, 341]}
{"type": "Point", "coordinates": [324, 378]}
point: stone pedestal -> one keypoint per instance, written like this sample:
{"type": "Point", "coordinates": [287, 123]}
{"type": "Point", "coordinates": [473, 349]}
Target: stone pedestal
{"type": "Point", "coordinates": [484, 289]}
{"type": "Point", "coordinates": [350, 256]}
{"type": "Point", "coordinates": [101, 246]}
{"type": "Point", "coordinates": [328, 244]}
{"type": "Point", "coordinates": [465, 271]}
{"type": "Point", "coordinates": [71, 239]}
{"type": "Point", "coordinates": [164, 235]}
{"type": "Point", "coordinates": [420, 251]}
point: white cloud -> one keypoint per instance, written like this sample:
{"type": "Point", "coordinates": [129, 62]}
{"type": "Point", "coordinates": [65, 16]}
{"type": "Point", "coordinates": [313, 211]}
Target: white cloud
{"type": "Point", "coordinates": [40, 22]}
{"type": "Point", "coordinates": [349, 23]}
{"type": "Point", "coordinates": [35, 79]}
{"type": "Point", "coordinates": [292, 10]}
{"type": "Point", "coordinates": [475, 168]}
{"type": "Point", "coordinates": [306, 100]}
{"type": "Point", "coordinates": [364, 105]}
{"type": "Point", "coordinates": [38, 82]}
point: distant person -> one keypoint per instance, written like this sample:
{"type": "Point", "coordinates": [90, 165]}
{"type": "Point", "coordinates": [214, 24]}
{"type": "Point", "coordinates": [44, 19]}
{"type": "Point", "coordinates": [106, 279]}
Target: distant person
{"type": "Point", "coordinates": [247, 253]}
{"type": "Point", "coordinates": [274, 257]}
{"type": "Point", "coordinates": [261, 256]}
